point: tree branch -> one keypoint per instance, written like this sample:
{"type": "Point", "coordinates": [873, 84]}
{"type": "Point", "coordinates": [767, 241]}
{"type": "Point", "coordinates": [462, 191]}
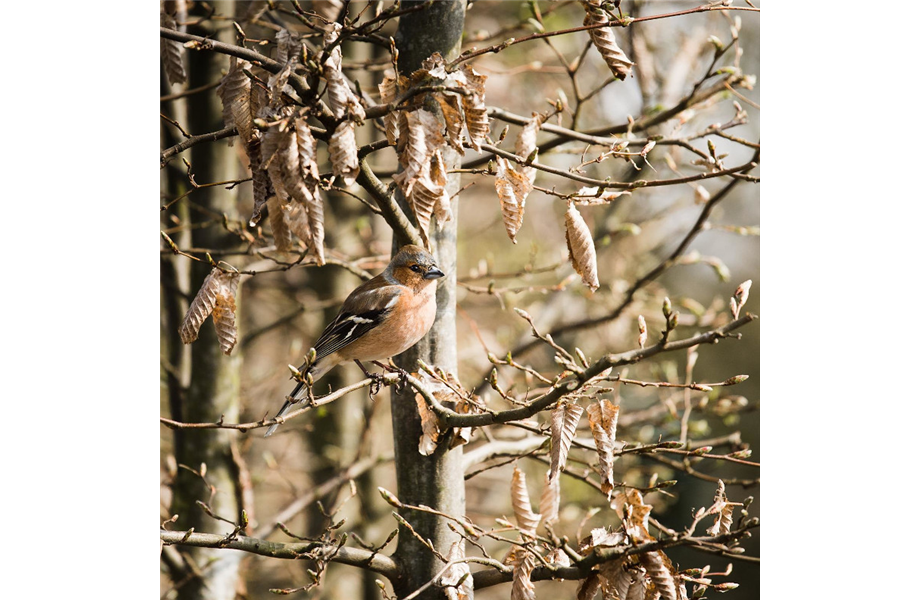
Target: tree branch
{"type": "Point", "coordinates": [403, 230]}
{"type": "Point", "coordinates": [451, 418]}
{"type": "Point", "coordinates": [356, 557]}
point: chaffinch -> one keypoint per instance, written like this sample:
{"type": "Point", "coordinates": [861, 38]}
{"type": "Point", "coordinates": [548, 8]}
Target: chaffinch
{"type": "Point", "coordinates": [382, 317]}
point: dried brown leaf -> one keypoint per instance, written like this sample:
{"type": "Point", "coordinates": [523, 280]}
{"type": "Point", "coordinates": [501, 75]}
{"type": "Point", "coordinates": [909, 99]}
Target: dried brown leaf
{"type": "Point", "coordinates": [463, 435]}
{"type": "Point", "coordinates": [171, 53]}
{"type": "Point", "coordinates": [512, 189]}
{"type": "Point", "coordinates": [526, 143]}
{"type": "Point", "coordinates": [453, 119]}
{"type": "Point", "coordinates": [261, 184]}
{"type": "Point", "coordinates": [564, 424]}
{"type": "Point", "coordinates": [292, 168]}
{"type": "Point", "coordinates": [297, 221]}
{"type": "Point", "coordinates": [455, 573]}
{"type": "Point", "coordinates": [423, 136]}
{"type": "Point", "coordinates": [581, 247]}
{"type": "Point", "coordinates": [621, 582]}
{"type": "Point", "coordinates": [474, 107]}
{"type": "Point", "coordinates": [343, 152]}
{"type": "Point", "coordinates": [342, 101]}
{"type": "Point", "coordinates": [589, 587]}
{"type": "Point", "coordinates": [522, 587]}
{"type": "Point", "coordinates": [662, 573]}
{"type": "Point", "coordinates": [276, 83]}
{"type": "Point", "coordinates": [442, 211]}
{"type": "Point", "coordinates": [216, 296]}
{"type": "Point", "coordinates": [431, 432]}
{"type": "Point", "coordinates": [602, 417]}
{"type": "Point", "coordinates": [722, 509]}
{"type": "Point", "coordinates": [241, 100]}
{"type": "Point", "coordinates": [606, 43]}
{"type": "Point", "coordinates": [634, 513]}
{"type": "Point", "coordinates": [388, 93]}
{"type": "Point", "coordinates": [287, 46]}
{"type": "Point", "coordinates": [520, 501]}
{"type": "Point", "coordinates": [549, 500]}
{"type": "Point", "coordinates": [224, 313]}
{"type": "Point", "coordinates": [280, 228]}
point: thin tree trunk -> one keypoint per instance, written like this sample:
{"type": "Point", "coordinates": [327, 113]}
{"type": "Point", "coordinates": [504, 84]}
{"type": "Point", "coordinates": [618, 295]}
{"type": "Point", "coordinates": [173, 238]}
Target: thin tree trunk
{"type": "Point", "coordinates": [214, 386]}
{"type": "Point", "coordinates": [436, 480]}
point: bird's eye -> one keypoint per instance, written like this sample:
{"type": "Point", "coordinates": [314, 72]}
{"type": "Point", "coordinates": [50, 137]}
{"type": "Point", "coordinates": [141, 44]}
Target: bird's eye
{"type": "Point", "coordinates": [416, 268]}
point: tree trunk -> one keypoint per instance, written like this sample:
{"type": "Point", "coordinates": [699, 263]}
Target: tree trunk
{"type": "Point", "coordinates": [214, 383]}
{"type": "Point", "coordinates": [436, 480]}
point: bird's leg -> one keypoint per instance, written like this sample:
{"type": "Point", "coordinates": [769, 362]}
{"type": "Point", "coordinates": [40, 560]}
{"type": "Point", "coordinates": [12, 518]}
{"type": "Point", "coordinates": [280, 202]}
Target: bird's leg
{"type": "Point", "coordinates": [376, 378]}
{"type": "Point", "coordinates": [403, 375]}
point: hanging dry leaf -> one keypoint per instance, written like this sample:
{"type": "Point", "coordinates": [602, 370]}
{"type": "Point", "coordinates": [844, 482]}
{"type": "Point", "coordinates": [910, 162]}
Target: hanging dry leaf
{"type": "Point", "coordinates": [453, 119]}
{"type": "Point", "coordinates": [589, 587]}
{"type": "Point", "coordinates": [634, 513]}
{"type": "Point", "coordinates": [522, 587]}
{"type": "Point", "coordinates": [261, 183]}
{"type": "Point", "coordinates": [549, 500]}
{"type": "Point", "coordinates": [722, 509]}
{"type": "Point", "coordinates": [297, 221]}
{"type": "Point", "coordinates": [287, 46]}
{"type": "Point", "coordinates": [565, 422]}
{"type": "Point", "coordinates": [288, 152]}
{"type": "Point", "coordinates": [605, 41]}
{"type": "Point", "coordinates": [621, 582]}
{"type": "Point", "coordinates": [442, 210]}
{"type": "Point", "coordinates": [343, 152]}
{"type": "Point", "coordinates": [423, 136]}
{"type": "Point", "coordinates": [602, 417]}
{"type": "Point", "coordinates": [276, 84]}
{"type": "Point", "coordinates": [463, 435]}
{"type": "Point", "coordinates": [342, 101]}
{"type": "Point", "coordinates": [443, 393]}
{"type": "Point", "coordinates": [581, 247]}
{"type": "Point", "coordinates": [451, 578]}
{"type": "Point", "coordinates": [242, 101]}
{"type": "Point", "coordinates": [662, 573]}
{"type": "Point", "coordinates": [526, 143]}
{"type": "Point", "coordinates": [388, 93]}
{"type": "Point", "coordinates": [171, 53]}
{"type": "Point", "coordinates": [216, 296]}
{"type": "Point", "coordinates": [512, 188]}
{"type": "Point", "coordinates": [520, 500]}
{"type": "Point", "coordinates": [224, 314]}
{"type": "Point", "coordinates": [474, 107]}
{"type": "Point", "coordinates": [280, 228]}
{"type": "Point", "coordinates": [431, 432]}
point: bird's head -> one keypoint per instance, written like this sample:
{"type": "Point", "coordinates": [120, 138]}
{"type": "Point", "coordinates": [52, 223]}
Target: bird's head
{"type": "Point", "coordinates": [415, 267]}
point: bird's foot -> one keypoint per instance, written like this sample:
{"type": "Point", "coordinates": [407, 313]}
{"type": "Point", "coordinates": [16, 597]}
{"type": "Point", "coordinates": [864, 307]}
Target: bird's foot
{"type": "Point", "coordinates": [403, 380]}
{"type": "Point", "coordinates": [377, 379]}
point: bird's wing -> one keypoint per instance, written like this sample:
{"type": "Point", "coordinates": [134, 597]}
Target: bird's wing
{"type": "Point", "coordinates": [363, 310]}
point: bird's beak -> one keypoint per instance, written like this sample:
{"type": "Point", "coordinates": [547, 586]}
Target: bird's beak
{"type": "Point", "coordinates": [433, 273]}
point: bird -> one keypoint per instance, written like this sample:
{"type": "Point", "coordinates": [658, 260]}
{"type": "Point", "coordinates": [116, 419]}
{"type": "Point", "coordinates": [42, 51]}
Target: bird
{"type": "Point", "coordinates": [380, 318]}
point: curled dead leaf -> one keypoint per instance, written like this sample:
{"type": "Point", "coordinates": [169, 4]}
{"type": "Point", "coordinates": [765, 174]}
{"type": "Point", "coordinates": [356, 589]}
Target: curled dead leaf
{"type": "Point", "coordinates": [606, 43]}
{"type": "Point", "coordinates": [581, 247]}
{"type": "Point", "coordinates": [217, 297]}
{"type": "Point", "coordinates": [512, 189]}
{"type": "Point", "coordinates": [171, 53]}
